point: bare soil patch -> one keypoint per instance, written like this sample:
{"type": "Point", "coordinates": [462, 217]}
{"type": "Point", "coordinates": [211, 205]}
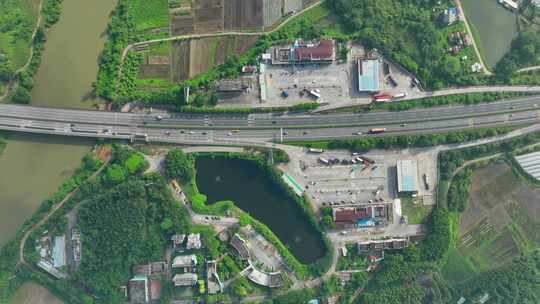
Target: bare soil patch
{"type": "Point", "coordinates": [160, 71]}
{"type": "Point", "coordinates": [243, 14]}
{"type": "Point", "coordinates": [180, 60]}
{"type": "Point", "coordinates": [182, 25]}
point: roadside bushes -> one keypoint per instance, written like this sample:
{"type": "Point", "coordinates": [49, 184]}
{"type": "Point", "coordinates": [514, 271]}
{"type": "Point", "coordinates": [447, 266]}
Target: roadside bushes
{"type": "Point", "coordinates": [471, 98]}
{"type": "Point", "coordinates": [423, 140]}
{"type": "Point", "coordinates": [458, 193]}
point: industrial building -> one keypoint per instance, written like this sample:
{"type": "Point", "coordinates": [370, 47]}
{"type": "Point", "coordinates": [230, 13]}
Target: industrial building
{"type": "Point", "coordinates": [301, 52]}
{"type": "Point", "coordinates": [185, 279]}
{"type": "Point", "coordinates": [530, 163]}
{"type": "Point", "coordinates": [369, 75]}
{"type": "Point", "coordinates": [363, 216]}
{"type": "Point", "coordinates": [407, 176]}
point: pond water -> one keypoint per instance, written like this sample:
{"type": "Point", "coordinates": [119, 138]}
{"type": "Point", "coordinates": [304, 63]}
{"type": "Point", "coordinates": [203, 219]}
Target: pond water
{"type": "Point", "coordinates": [495, 25]}
{"type": "Point", "coordinates": [241, 181]}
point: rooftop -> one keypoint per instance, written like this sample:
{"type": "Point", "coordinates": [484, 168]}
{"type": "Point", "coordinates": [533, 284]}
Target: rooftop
{"type": "Point", "coordinates": [530, 163]}
{"type": "Point", "coordinates": [184, 261]}
{"type": "Point", "coordinates": [407, 175]}
{"type": "Point", "coordinates": [185, 279]}
{"type": "Point", "coordinates": [368, 75]}
{"type": "Point", "coordinates": [324, 51]}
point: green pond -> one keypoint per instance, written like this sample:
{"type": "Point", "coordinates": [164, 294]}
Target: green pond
{"type": "Point", "coordinates": [495, 26]}
{"type": "Point", "coordinates": [243, 182]}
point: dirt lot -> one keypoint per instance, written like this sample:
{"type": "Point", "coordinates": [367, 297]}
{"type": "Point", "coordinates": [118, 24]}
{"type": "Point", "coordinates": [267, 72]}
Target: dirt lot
{"type": "Point", "coordinates": [182, 25]}
{"type": "Point", "coordinates": [208, 15]}
{"type": "Point", "coordinates": [154, 71]}
{"type": "Point", "coordinates": [243, 14]}
{"type": "Point", "coordinates": [200, 56]}
{"type": "Point", "coordinates": [180, 61]}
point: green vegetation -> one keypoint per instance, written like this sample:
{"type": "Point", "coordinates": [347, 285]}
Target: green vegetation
{"type": "Point", "coordinates": [16, 40]}
{"type": "Point", "coordinates": [525, 52]}
{"type": "Point", "coordinates": [404, 141]}
{"type": "Point", "coordinates": [415, 211]}
{"type": "Point", "coordinates": [428, 102]}
{"type": "Point", "coordinates": [411, 36]}
{"type": "Point", "coordinates": [149, 14]}
{"type": "Point", "coordinates": [18, 20]}
{"type": "Point", "coordinates": [179, 165]}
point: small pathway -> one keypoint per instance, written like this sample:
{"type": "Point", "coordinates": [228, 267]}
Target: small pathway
{"type": "Point", "coordinates": [533, 68]}
{"type": "Point", "coordinates": [216, 34]}
{"type": "Point", "coordinates": [476, 49]}
{"type": "Point", "coordinates": [12, 84]}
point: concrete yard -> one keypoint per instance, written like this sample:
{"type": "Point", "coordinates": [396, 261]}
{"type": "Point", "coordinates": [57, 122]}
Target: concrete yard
{"type": "Point", "coordinates": [349, 185]}
{"type": "Point", "coordinates": [337, 82]}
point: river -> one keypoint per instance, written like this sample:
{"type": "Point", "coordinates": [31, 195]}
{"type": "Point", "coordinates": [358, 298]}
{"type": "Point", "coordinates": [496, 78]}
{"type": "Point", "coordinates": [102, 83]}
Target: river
{"type": "Point", "coordinates": [241, 181]}
{"type": "Point", "coordinates": [34, 166]}
{"type": "Point", "coordinates": [495, 25]}
{"type": "Point", "coordinates": [70, 59]}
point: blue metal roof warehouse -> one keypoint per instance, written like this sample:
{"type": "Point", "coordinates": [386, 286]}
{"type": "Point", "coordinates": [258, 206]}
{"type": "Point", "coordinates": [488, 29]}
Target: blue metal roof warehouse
{"type": "Point", "coordinates": [407, 176]}
{"type": "Point", "coordinates": [368, 75]}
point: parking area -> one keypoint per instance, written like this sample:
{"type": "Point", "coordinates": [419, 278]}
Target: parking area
{"type": "Point", "coordinates": [332, 84]}
{"type": "Point", "coordinates": [339, 178]}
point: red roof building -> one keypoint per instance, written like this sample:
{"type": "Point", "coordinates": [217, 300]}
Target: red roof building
{"type": "Point", "coordinates": [324, 51]}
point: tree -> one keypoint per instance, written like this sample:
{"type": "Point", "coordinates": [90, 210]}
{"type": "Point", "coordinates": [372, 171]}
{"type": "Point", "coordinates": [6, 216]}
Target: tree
{"type": "Point", "coordinates": [179, 165]}
{"type": "Point", "coordinates": [115, 174]}
{"type": "Point", "coordinates": [21, 95]}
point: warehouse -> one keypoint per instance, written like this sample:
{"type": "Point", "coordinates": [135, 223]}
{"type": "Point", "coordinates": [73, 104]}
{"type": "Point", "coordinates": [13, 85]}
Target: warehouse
{"type": "Point", "coordinates": [530, 163]}
{"type": "Point", "coordinates": [368, 75]}
{"type": "Point", "coordinates": [407, 176]}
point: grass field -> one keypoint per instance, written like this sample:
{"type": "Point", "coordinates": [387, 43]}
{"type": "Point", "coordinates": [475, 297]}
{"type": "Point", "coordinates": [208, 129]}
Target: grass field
{"type": "Point", "coordinates": [456, 268]}
{"type": "Point", "coordinates": [415, 211]}
{"type": "Point", "coordinates": [150, 14]}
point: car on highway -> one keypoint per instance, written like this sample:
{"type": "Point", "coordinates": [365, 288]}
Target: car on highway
{"type": "Point", "coordinates": [358, 133]}
{"type": "Point", "coordinates": [403, 125]}
{"type": "Point", "coordinates": [167, 132]}
{"type": "Point", "coordinates": [229, 134]}
{"type": "Point", "coordinates": [190, 132]}
{"type": "Point", "coordinates": [159, 117]}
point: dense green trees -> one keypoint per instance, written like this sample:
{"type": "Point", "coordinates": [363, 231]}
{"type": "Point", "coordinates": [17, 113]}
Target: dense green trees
{"type": "Point", "coordinates": [407, 32]}
{"type": "Point", "coordinates": [179, 165]}
{"type": "Point", "coordinates": [458, 193]}
{"type": "Point", "coordinates": [21, 95]}
{"type": "Point", "coordinates": [516, 282]}
{"type": "Point", "coordinates": [525, 51]}
{"type": "Point", "coordinates": [126, 220]}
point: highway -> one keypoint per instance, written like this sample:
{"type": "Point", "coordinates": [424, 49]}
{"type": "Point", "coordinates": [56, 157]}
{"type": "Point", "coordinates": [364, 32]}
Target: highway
{"type": "Point", "coordinates": [249, 129]}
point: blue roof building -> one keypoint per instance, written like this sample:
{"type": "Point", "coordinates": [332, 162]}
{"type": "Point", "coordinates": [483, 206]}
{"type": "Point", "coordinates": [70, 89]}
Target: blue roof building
{"type": "Point", "coordinates": [59, 251]}
{"type": "Point", "coordinates": [368, 75]}
{"type": "Point", "coordinates": [407, 176]}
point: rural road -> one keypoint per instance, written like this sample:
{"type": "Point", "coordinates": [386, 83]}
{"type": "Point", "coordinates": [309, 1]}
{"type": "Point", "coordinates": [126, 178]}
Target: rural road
{"type": "Point", "coordinates": [216, 34]}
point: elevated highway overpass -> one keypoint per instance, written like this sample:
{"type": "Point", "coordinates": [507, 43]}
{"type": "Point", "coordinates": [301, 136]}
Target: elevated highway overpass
{"type": "Point", "coordinates": [259, 129]}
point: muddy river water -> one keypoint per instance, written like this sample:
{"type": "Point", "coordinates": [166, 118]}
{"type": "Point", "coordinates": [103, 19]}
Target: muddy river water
{"type": "Point", "coordinates": [34, 166]}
